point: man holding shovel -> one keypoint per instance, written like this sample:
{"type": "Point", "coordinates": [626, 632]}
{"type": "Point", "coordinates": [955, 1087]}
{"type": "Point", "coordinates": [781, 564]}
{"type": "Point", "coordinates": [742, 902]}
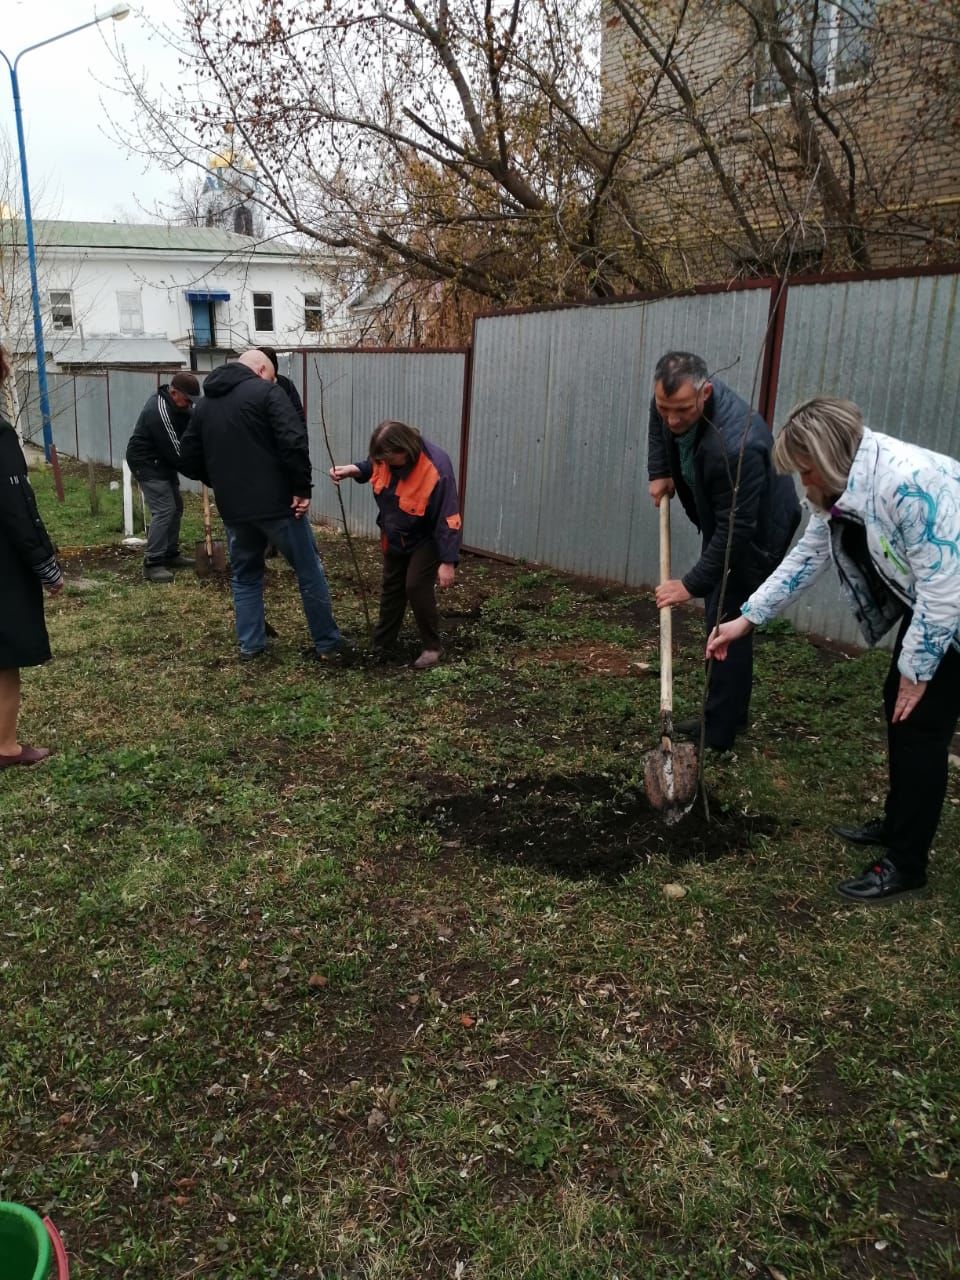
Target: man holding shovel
{"type": "Point", "coordinates": [698, 429]}
{"type": "Point", "coordinates": [248, 443]}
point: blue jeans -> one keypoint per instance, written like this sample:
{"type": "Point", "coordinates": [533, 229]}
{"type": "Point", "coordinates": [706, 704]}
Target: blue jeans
{"type": "Point", "coordinates": [294, 540]}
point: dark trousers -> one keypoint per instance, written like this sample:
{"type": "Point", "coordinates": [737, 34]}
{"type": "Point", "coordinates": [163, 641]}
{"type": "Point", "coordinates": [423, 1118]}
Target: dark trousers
{"type": "Point", "coordinates": [410, 579]}
{"type": "Point", "coordinates": [731, 682]}
{"type": "Point", "coordinates": [166, 511]}
{"type": "Point", "coordinates": [918, 750]}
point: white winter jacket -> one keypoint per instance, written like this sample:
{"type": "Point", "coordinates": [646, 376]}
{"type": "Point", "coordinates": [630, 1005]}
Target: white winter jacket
{"type": "Point", "coordinates": [908, 501]}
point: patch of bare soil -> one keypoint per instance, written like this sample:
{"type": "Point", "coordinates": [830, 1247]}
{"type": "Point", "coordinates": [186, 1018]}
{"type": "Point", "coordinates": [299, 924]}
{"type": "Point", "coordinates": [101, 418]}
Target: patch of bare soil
{"type": "Point", "coordinates": [595, 658]}
{"type": "Point", "coordinates": [78, 561]}
{"type": "Point", "coordinates": [584, 826]}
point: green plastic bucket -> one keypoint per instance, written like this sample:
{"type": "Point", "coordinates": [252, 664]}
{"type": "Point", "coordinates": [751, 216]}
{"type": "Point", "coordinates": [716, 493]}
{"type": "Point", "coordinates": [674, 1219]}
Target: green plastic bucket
{"type": "Point", "coordinates": [30, 1247]}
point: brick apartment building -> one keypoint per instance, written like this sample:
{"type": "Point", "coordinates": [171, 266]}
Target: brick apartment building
{"type": "Point", "coordinates": [755, 128]}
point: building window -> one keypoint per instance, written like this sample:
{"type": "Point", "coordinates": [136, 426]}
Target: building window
{"type": "Point", "coordinates": [312, 312]}
{"type": "Point", "coordinates": [61, 308]}
{"type": "Point", "coordinates": [831, 41]}
{"type": "Point", "coordinates": [131, 312]}
{"type": "Point", "coordinates": [263, 312]}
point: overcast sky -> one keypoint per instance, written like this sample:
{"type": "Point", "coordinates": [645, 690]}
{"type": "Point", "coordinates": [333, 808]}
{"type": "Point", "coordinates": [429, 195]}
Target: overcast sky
{"type": "Point", "coordinates": [77, 171]}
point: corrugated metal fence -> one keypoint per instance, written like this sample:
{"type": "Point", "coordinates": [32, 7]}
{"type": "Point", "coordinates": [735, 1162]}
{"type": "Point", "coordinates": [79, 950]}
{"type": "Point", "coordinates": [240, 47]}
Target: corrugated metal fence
{"type": "Point", "coordinates": [546, 416]}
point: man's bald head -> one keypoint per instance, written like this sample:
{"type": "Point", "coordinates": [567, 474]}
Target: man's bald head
{"type": "Point", "coordinates": [258, 363]}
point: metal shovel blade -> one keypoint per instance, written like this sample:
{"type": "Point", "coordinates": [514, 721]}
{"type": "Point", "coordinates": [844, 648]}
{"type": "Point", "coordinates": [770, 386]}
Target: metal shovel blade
{"type": "Point", "coordinates": [670, 776]}
{"type": "Point", "coordinates": [210, 558]}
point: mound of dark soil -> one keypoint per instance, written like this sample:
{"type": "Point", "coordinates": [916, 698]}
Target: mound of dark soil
{"type": "Point", "coordinates": [585, 826]}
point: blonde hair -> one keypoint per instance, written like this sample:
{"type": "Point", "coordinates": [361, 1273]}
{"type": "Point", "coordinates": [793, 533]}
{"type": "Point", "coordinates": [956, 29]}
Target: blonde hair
{"type": "Point", "coordinates": [825, 432]}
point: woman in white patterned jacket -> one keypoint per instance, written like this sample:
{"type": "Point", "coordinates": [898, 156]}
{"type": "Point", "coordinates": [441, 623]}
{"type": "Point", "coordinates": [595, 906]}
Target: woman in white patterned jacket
{"type": "Point", "coordinates": [888, 515]}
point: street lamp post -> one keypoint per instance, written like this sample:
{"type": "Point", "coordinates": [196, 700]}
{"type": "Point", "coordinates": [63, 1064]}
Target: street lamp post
{"type": "Point", "coordinates": [117, 12]}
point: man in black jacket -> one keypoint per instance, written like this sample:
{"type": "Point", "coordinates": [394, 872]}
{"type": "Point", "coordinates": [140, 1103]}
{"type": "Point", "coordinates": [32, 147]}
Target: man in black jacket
{"type": "Point", "coordinates": [153, 455]}
{"type": "Point", "coordinates": [248, 443]}
{"type": "Point", "coordinates": [697, 427]}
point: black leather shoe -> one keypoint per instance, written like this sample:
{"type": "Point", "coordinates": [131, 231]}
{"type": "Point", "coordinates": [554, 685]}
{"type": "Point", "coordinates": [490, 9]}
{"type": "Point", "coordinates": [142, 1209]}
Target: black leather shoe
{"type": "Point", "coordinates": [880, 882]}
{"type": "Point", "coordinates": [688, 728]}
{"type": "Point", "coordinates": [691, 729]}
{"type": "Point", "coordinates": [872, 832]}
{"type": "Point", "coordinates": [394, 655]}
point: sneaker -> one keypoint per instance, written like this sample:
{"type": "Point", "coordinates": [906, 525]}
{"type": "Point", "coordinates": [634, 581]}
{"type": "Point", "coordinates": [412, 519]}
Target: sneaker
{"type": "Point", "coordinates": [179, 562]}
{"type": "Point", "coordinates": [879, 883]}
{"type": "Point", "coordinates": [429, 658]}
{"type": "Point", "coordinates": [872, 832]}
{"type": "Point", "coordinates": [251, 655]}
{"type": "Point", "coordinates": [157, 573]}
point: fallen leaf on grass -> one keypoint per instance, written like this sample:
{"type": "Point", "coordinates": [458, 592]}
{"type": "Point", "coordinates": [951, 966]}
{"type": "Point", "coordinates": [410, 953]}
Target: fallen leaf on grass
{"type": "Point", "coordinates": [377, 1119]}
{"type": "Point", "coordinates": [674, 891]}
{"type": "Point", "coordinates": [466, 1020]}
{"type": "Point", "coordinates": [317, 980]}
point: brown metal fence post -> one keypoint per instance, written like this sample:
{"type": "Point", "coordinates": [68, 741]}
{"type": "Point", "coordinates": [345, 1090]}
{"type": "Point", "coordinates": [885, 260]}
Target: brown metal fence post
{"type": "Point", "coordinates": [772, 350]}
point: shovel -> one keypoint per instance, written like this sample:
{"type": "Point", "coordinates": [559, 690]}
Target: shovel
{"type": "Point", "coordinates": [670, 773]}
{"type": "Point", "coordinates": [210, 556]}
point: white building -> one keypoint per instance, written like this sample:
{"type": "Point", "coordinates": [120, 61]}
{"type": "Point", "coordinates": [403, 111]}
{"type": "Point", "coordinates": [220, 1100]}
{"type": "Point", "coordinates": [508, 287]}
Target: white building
{"type": "Point", "coordinates": [125, 295]}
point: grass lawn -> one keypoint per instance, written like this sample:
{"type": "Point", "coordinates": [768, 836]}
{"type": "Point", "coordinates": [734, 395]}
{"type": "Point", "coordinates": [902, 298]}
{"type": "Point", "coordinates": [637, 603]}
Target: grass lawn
{"type": "Point", "coordinates": [376, 975]}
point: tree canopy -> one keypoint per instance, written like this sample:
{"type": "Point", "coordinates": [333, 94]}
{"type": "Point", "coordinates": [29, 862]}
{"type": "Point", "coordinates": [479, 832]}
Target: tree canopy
{"type": "Point", "coordinates": [492, 151]}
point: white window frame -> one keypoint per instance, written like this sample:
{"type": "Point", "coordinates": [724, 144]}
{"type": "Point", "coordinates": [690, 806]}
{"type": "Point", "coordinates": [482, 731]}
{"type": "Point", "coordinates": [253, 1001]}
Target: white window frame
{"type": "Point", "coordinates": [130, 304]}
{"type": "Point", "coordinates": [56, 323]}
{"type": "Point", "coordinates": [313, 306]}
{"type": "Point", "coordinates": [261, 307]}
{"type": "Point", "coordinates": [831, 13]}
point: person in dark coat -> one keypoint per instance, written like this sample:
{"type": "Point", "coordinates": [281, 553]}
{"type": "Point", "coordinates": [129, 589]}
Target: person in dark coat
{"type": "Point", "coordinates": [420, 530]}
{"type": "Point", "coordinates": [247, 442]}
{"type": "Point", "coordinates": [697, 427]}
{"type": "Point", "coordinates": [153, 455]}
{"type": "Point", "coordinates": [284, 383]}
{"type": "Point", "coordinates": [28, 563]}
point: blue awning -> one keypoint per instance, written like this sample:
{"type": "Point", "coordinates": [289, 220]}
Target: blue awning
{"type": "Point", "coordinates": [207, 295]}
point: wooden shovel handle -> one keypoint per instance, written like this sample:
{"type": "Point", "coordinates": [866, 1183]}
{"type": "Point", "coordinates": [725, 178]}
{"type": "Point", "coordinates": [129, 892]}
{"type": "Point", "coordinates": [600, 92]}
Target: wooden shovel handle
{"type": "Point", "coordinates": [666, 617]}
{"type": "Point", "coordinates": [207, 531]}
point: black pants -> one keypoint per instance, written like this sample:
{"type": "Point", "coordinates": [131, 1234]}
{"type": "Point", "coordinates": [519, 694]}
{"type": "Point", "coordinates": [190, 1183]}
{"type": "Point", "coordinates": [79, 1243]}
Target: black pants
{"type": "Point", "coordinates": [918, 750]}
{"type": "Point", "coordinates": [166, 510]}
{"type": "Point", "coordinates": [409, 578]}
{"type": "Point", "coordinates": [731, 682]}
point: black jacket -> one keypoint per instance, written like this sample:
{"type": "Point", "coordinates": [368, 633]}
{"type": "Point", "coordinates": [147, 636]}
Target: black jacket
{"type": "Point", "coordinates": [767, 512]}
{"type": "Point", "coordinates": [154, 448]}
{"type": "Point", "coordinates": [286, 385]}
{"type": "Point", "coordinates": [27, 561]}
{"type": "Point", "coordinates": [248, 443]}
